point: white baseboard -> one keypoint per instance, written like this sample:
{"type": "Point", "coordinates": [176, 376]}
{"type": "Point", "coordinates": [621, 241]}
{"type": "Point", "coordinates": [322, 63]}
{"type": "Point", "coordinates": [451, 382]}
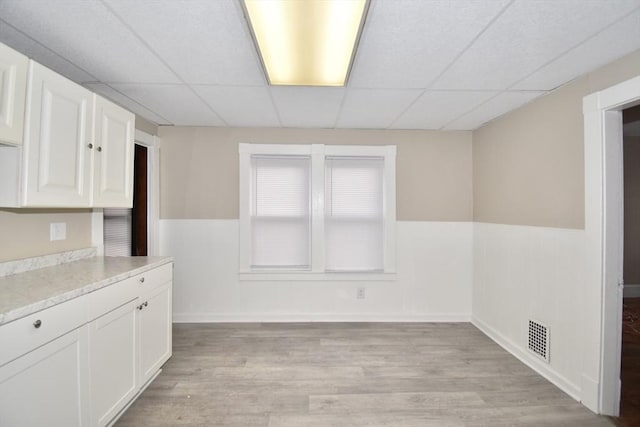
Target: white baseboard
{"type": "Point", "coordinates": [316, 317]}
{"type": "Point", "coordinates": [631, 291]}
{"type": "Point", "coordinates": [531, 361]}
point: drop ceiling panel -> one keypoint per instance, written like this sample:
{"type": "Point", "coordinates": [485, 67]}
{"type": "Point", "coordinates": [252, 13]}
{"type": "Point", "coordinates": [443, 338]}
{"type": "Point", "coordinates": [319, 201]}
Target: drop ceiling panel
{"type": "Point", "coordinates": [176, 103]}
{"type": "Point", "coordinates": [307, 107]}
{"type": "Point", "coordinates": [407, 43]}
{"type": "Point", "coordinates": [214, 48]}
{"type": "Point", "coordinates": [612, 43]}
{"type": "Point", "coordinates": [526, 37]}
{"type": "Point", "coordinates": [435, 109]}
{"type": "Point", "coordinates": [374, 108]}
{"type": "Point", "coordinates": [22, 43]}
{"type": "Point", "coordinates": [241, 105]}
{"type": "Point", "coordinates": [493, 108]}
{"type": "Point", "coordinates": [128, 103]}
{"type": "Point", "coordinates": [88, 35]}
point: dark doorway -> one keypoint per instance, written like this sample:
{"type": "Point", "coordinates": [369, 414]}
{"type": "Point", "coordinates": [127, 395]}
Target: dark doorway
{"type": "Point", "coordinates": [139, 213]}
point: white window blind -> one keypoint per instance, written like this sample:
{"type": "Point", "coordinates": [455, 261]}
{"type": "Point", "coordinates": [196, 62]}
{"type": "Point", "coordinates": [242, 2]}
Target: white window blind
{"type": "Point", "coordinates": [117, 232]}
{"type": "Point", "coordinates": [280, 212]}
{"type": "Point", "coordinates": [354, 214]}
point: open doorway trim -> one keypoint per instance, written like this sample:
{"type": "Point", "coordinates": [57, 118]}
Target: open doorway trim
{"type": "Point", "coordinates": [602, 316]}
{"type": "Point", "coordinates": [153, 199]}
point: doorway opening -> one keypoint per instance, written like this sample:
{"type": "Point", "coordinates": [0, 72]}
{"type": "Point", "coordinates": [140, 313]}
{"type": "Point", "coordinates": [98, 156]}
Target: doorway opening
{"type": "Point", "coordinates": [125, 229]}
{"type": "Point", "coordinates": [630, 351]}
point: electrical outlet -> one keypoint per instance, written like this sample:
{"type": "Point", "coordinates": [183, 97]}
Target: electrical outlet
{"type": "Point", "coordinates": [58, 231]}
{"type": "Point", "coordinates": [360, 293]}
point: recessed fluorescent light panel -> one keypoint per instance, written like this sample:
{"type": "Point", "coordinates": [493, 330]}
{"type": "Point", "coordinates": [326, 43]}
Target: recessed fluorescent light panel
{"type": "Point", "coordinates": [306, 42]}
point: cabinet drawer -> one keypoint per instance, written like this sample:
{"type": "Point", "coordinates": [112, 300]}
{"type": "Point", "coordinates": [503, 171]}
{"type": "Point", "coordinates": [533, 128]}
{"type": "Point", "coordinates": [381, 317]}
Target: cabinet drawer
{"type": "Point", "coordinates": [113, 296]}
{"type": "Point", "coordinates": [156, 277]}
{"type": "Point", "coordinates": [25, 334]}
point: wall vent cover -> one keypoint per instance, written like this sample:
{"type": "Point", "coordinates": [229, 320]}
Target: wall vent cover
{"type": "Point", "coordinates": [539, 340]}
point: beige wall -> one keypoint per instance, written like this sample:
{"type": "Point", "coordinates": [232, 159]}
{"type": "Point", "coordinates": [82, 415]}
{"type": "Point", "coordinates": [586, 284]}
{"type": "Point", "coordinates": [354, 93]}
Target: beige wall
{"type": "Point", "coordinates": [528, 166]}
{"type": "Point", "coordinates": [199, 169]}
{"type": "Point", "coordinates": [25, 232]}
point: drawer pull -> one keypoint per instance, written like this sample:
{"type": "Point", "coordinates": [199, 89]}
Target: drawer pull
{"type": "Point", "coordinates": [142, 280]}
{"type": "Point", "coordinates": [37, 323]}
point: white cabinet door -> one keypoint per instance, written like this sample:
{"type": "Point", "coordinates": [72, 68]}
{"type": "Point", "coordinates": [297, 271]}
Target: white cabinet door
{"type": "Point", "coordinates": [113, 156]}
{"type": "Point", "coordinates": [47, 386]}
{"type": "Point", "coordinates": [113, 362]}
{"type": "Point", "coordinates": [58, 141]}
{"type": "Point", "coordinates": [13, 87]}
{"type": "Point", "coordinates": [155, 321]}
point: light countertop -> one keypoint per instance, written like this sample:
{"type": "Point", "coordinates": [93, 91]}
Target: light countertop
{"type": "Point", "coordinates": [26, 293]}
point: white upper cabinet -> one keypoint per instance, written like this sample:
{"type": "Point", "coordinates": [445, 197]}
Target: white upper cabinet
{"type": "Point", "coordinates": [13, 86]}
{"type": "Point", "coordinates": [59, 141]}
{"type": "Point", "coordinates": [74, 148]}
{"type": "Point", "coordinates": [113, 156]}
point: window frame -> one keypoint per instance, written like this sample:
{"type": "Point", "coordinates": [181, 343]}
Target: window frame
{"type": "Point", "coordinates": [317, 153]}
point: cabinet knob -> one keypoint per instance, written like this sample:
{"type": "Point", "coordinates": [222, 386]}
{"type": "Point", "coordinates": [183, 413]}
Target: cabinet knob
{"type": "Point", "coordinates": [90, 146]}
{"type": "Point", "coordinates": [140, 306]}
{"type": "Point", "coordinates": [99, 148]}
{"type": "Point", "coordinates": [37, 323]}
{"type": "Point", "coordinates": [142, 280]}
{"type": "Point", "coordinates": [146, 303]}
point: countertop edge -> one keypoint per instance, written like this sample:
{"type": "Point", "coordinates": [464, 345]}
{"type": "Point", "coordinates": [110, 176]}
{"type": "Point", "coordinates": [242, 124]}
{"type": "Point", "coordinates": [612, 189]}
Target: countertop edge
{"type": "Point", "coordinates": [37, 306]}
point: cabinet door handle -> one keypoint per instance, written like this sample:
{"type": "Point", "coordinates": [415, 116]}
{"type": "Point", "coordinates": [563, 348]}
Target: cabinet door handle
{"type": "Point", "coordinates": [142, 280]}
{"type": "Point", "coordinates": [37, 323]}
{"type": "Point", "coordinates": [99, 148]}
{"type": "Point", "coordinates": [146, 303]}
{"type": "Point", "coordinates": [140, 307]}
{"type": "Point", "coordinates": [90, 146]}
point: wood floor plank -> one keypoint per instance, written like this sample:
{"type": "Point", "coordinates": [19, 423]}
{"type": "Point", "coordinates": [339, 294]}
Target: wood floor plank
{"type": "Point", "coordinates": [348, 374]}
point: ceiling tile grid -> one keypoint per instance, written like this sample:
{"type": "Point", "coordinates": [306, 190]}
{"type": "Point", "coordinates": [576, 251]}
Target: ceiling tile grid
{"type": "Point", "coordinates": [436, 64]}
{"type": "Point", "coordinates": [434, 109]}
{"type": "Point", "coordinates": [90, 36]}
{"type": "Point", "coordinates": [358, 110]}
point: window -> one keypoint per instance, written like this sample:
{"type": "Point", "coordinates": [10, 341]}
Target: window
{"type": "Point", "coordinates": [314, 210]}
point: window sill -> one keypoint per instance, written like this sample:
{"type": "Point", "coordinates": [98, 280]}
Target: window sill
{"type": "Point", "coordinates": [317, 277]}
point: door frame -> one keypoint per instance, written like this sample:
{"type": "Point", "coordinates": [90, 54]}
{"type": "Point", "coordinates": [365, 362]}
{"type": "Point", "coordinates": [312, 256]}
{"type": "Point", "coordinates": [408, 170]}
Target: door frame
{"type": "Point", "coordinates": [602, 315]}
{"type": "Point", "coordinates": [152, 143]}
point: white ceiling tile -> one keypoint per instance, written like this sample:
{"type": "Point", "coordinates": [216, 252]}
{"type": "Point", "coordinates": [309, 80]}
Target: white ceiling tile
{"type": "Point", "coordinates": [241, 105]}
{"type": "Point", "coordinates": [214, 48]}
{"type": "Point", "coordinates": [435, 109]}
{"type": "Point", "coordinates": [374, 108]}
{"type": "Point", "coordinates": [176, 103]}
{"type": "Point", "coordinates": [128, 103]}
{"type": "Point", "coordinates": [90, 36]}
{"type": "Point", "coordinates": [493, 108]}
{"type": "Point", "coordinates": [527, 36]}
{"type": "Point", "coordinates": [612, 43]}
{"type": "Point", "coordinates": [407, 43]}
{"type": "Point", "coordinates": [307, 107]}
{"type": "Point", "coordinates": [40, 53]}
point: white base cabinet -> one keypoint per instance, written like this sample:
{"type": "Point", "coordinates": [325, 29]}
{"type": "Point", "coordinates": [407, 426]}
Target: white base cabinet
{"type": "Point", "coordinates": [81, 362]}
{"type": "Point", "coordinates": [113, 341]}
{"type": "Point", "coordinates": [155, 330]}
{"type": "Point", "coordinates": [48, 386]}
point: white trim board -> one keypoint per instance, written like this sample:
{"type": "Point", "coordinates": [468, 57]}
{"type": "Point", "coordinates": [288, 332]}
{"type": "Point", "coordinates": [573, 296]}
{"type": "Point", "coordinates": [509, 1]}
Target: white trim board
{"type": "Point", "coordinates": [602, 310]}
{"type": "Point", "coordinates": [531, 361]}
{"type": "Point", "coordinates": [318, 317]}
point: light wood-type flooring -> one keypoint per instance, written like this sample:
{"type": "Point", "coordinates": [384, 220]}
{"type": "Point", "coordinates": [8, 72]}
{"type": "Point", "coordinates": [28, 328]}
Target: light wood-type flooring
{"type": "Point", "coordinates": [348, 375]}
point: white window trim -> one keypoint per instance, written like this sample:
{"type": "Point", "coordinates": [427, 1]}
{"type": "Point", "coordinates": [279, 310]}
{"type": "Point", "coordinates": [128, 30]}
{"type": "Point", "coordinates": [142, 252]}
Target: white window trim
{"type": "Point", "coordinates": [317, 153]}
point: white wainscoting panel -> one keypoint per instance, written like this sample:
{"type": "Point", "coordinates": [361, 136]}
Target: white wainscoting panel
{"type": "Point", "coordinates": [523, 273]}
{"type": "Point", "coordinates": [433, 280]}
